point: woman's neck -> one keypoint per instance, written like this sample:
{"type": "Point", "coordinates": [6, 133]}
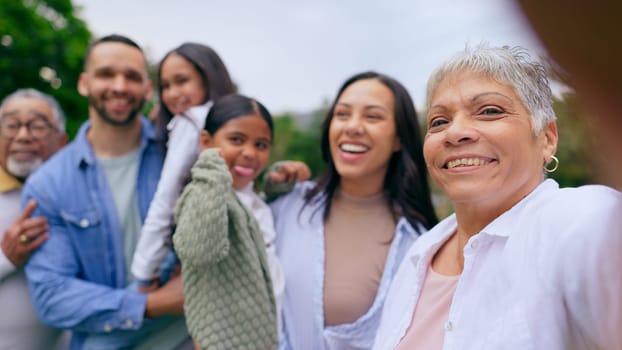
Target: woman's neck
{"type": "Point", "coordinates": [472, 219]}
{"type": "Point", "coordinates": [361, 187]}
{"type": "Point", "coordinates": [474, 215]}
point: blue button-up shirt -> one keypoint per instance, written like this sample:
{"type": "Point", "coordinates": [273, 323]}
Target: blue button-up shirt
{"type": "Point", "coordinates": [77, 277]}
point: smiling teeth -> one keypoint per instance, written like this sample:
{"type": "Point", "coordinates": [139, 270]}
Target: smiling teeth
{"type": "Point", "coordinates": [467, 162]}
{"type": "Point", "coordinates": [349, 147]}
{"type": "Point", "coordinates": [119, 102]}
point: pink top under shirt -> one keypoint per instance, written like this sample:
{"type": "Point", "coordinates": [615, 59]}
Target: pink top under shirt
{"type": "Point", "coordinates": [426, 330]}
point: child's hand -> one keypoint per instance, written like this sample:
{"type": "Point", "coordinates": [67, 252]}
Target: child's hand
{"type": "Point", "coordinates": [146, 288]}
{"type": "Point", "coordinates": [281, 178]}
{"type": "Point", "coordinates": [166, 300]}
{"type": "Point", "coordinates": [290, 171]}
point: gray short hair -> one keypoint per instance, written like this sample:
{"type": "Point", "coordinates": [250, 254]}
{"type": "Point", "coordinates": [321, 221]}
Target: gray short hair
{"type": "Point", "coordinates": [506, 65]}
{"type": "Point", "coordinates": [57, 111]}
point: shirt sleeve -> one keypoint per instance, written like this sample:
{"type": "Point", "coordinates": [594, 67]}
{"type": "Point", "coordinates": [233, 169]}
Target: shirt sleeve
{"type": "Point", "coordinates": [591, 280]}
{"type": "Point", "coordinates": [64, 300]}
{"type": "Point", "coordinates": [6, 266]}
{"type": "Point", "coordinates": [277, 206]}
{"type": "Point", "coordinates": [202, 217]}
{"type": "Point", "coordinates": [154, 241]}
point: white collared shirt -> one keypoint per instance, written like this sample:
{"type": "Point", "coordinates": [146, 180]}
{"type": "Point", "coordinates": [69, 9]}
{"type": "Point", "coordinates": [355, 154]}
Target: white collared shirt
{"type": "Point", "coordinates": [543, 275]}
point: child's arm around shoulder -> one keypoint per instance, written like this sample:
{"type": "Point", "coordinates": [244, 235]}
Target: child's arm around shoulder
{"type": "Point", "coordinates": [282, 176]}
{"type": "Point", "coordinates": [201, 236]}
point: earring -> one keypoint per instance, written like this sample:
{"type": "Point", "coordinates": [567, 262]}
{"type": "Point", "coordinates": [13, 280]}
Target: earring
{"type": "Point", "coordinates": [553, 160]}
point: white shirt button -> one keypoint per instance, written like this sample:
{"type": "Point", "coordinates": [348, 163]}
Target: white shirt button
{"type": "Point", "coordinates": [475, 244]}
{"type": "Point", "coordinates": [84, 223]}
{"type": "Point", "coordinates": [107, 328]}
{"type": "Point", "coordinates": [129, 323]}
{"type": "Point", "coordinates": [449, 326]}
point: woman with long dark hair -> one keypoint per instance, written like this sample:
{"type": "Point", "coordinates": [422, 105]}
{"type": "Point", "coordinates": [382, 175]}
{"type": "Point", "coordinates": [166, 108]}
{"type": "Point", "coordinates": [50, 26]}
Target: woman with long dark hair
{"type": "Point", "coordinates": [340, 239]}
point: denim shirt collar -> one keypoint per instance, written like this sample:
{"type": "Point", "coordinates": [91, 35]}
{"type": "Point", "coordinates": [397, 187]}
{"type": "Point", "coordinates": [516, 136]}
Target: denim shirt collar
{"type": "Point", "coordinates": [84, 150]}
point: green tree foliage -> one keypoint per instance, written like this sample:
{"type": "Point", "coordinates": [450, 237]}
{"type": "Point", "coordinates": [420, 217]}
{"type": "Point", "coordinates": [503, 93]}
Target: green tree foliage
{"type": "Point", "coordinates": [574, 148]}
{"type": "Point", "coordinates": [296, 143]}
{"type": "Point", "coordinates": [42, 44]}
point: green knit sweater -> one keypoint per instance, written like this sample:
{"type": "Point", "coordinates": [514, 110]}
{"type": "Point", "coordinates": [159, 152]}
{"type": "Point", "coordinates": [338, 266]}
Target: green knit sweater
{"type": "Point", "coordinates": [229, 303]}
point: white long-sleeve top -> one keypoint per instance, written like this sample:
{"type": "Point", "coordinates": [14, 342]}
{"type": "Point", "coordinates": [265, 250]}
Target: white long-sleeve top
{"type": "Point", "coordinates": [263, 214]}
{"type": "Point", "coordinates": [543, 275]}
{"type": "Point", "coordinates": [182, 152]}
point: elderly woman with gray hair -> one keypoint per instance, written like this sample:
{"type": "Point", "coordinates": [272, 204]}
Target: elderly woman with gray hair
{"type": "Point", "coordinates": [522, 263]}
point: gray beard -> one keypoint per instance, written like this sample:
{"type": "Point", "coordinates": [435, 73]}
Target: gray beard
{"type": "Point", "coordinates": [22, 168]}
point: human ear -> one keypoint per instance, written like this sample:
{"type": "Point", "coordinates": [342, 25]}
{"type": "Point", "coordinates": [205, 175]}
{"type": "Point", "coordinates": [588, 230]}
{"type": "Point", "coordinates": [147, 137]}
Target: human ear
{"type": "Point", "coordinates": [549, 139]}
{"type": "Point", "coordinates": [206, 140]}
{"type": "Point", "coordinates": [82, 85]}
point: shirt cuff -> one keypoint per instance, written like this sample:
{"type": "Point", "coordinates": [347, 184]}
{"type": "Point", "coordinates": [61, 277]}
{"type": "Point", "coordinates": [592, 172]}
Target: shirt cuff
{"type": "Point", "coordinates": [133, 310]}
{"type": "Point", "coordinates": [6, 266]}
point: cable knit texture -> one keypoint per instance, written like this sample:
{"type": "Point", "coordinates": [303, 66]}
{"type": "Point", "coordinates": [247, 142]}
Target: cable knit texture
{"type": "Point", "coordinates": [229, 303]}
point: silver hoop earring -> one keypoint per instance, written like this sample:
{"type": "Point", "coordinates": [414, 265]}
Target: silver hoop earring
{"type": "Point", "coordinates": [553, 160]}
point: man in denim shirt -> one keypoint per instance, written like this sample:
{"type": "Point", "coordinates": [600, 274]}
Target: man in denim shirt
{"type": "Point", "coordinates": [95, 194]}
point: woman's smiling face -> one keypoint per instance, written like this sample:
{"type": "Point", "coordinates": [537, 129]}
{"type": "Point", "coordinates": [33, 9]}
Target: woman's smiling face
{"type": "Point", "coordinates": [362, 132]}
{"type": "Point", "coordinates": [480, 147]}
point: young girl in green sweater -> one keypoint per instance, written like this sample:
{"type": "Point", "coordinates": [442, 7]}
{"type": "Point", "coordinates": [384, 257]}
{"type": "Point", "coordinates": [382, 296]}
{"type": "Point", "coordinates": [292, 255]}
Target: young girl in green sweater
{"type": "Point", "coordinates": [225, 232]}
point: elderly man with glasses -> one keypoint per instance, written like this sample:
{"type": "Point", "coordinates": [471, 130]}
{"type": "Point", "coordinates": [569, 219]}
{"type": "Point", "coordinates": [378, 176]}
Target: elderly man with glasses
{"type": "Point", "coordinates": [31, 130]}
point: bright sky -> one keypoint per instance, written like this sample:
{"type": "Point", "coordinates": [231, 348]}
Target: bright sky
{"type": "Point", "coordinates": [293, 55]}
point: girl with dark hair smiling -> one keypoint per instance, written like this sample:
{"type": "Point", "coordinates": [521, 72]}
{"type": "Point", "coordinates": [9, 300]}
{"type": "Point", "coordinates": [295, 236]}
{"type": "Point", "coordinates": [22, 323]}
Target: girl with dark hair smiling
{"type": "Point", "coordinates": [191, 77]}
{"type": "Point", "coordinates": [225, 232]}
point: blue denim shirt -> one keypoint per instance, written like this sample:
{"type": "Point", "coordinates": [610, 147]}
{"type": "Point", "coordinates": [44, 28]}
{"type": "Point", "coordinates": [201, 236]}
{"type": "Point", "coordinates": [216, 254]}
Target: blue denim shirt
{"type": "Point", "coordinates": [77, 277]}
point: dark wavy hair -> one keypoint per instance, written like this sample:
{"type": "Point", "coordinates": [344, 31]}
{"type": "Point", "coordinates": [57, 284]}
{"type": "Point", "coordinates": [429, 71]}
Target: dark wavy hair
{"type": "Point", "coordinates": [405, 183]}
{"type": "Point", "coordinates": [234, 106]}
{"type": "Point", "coordinates": [216, 79]}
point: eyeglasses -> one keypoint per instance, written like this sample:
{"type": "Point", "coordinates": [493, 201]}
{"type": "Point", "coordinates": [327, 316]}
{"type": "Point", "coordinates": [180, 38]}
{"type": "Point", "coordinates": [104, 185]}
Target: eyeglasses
{"type": "Point", "coordinates": [38, 128]}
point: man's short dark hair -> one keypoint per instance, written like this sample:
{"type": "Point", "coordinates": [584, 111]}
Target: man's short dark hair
{"type": "Point", "coordinates": [112, 38]}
